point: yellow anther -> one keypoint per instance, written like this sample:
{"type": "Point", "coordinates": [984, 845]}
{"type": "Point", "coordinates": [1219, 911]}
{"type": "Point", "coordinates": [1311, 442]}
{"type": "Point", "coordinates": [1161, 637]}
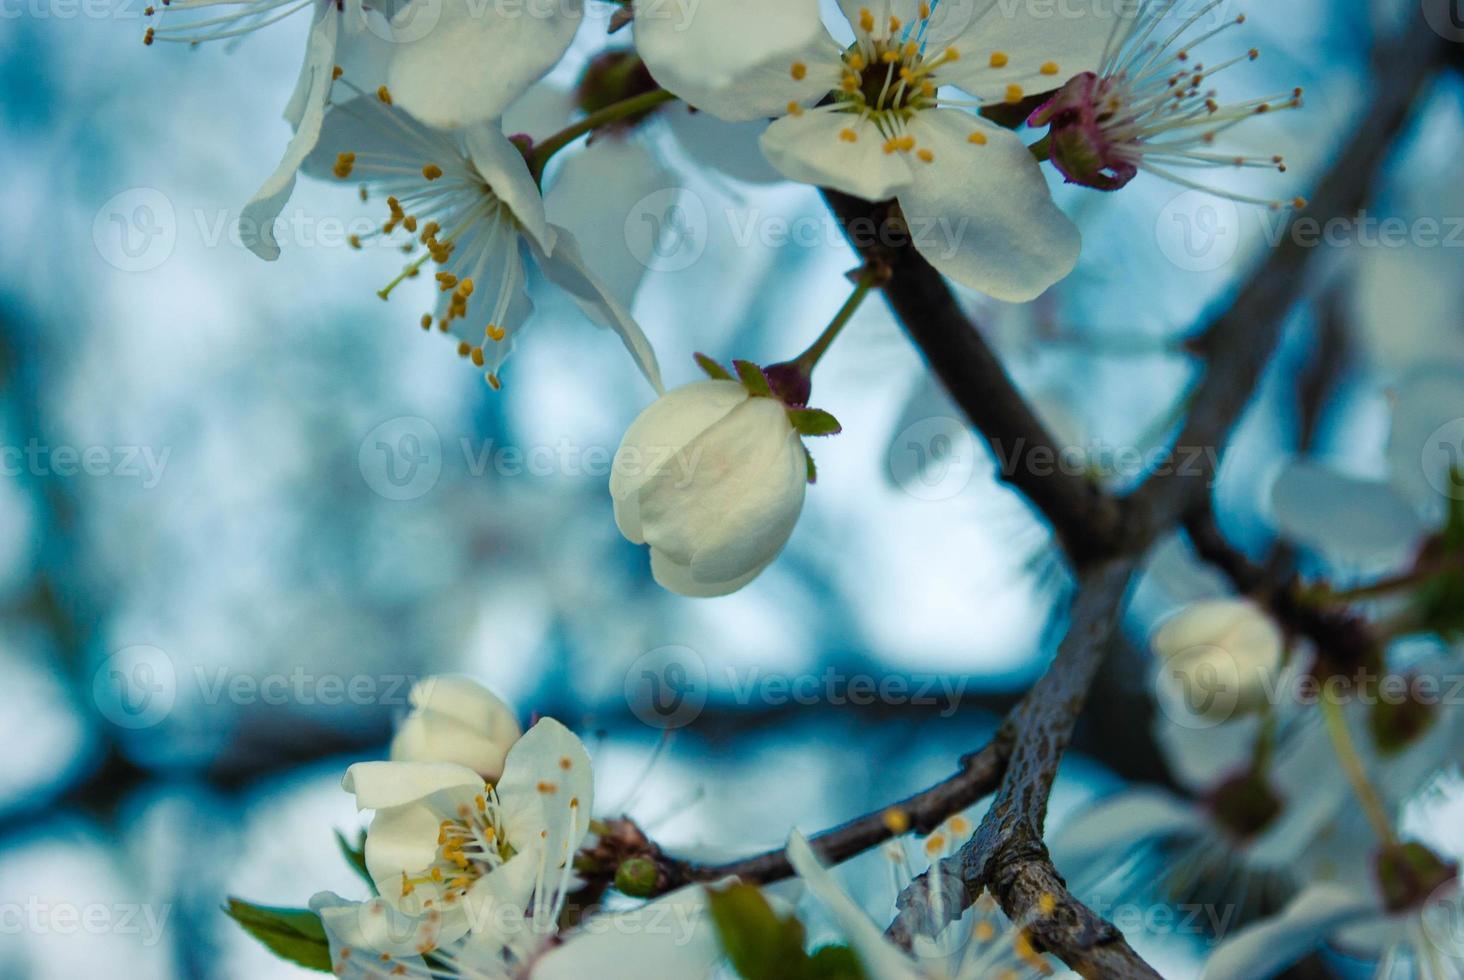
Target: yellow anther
{"type": "Point", "coordinates": [1050, 68]}
{"type": "Point", "coordinates": [896, 821]}
{"type": "Point", "coordinates": [493, 381]}
{"type": "Point", "coordinates": [432, 171]}
{"type": "Point", "coordinates": [427, 325]}
{"type": "Point", "coordinates": [463, 348]}
{"type": "Point", "coordinates": [147, 36]}
{"type": "Point", "coordinates": [477, 355]}
{"type": "Point", "coordinates": [866, 20]}
{"type": "Point", "coordinates": [800, 71]}
{"type": "Point", "coordinates": [1047, 904]}
{"type": "Point", "coordinates": [1014, 94]}
{"type": "Point", "coordinates": [495, 333]}
{"type": "Point", "coordinates": [337, 72]}
{"type": "Point", "coordinates": [999, 59]}
{"type": "Point", "coordinates": [343, 165]}
{"type": "Point", "coordinates": [856, 61]}
{"type": "Point", "coordinates": [890, 57]}
{"type": "Point", "coordinates": [926, 156]}
{"type": "Point", "coordinates": [465, 289]}
{"type": "Point", "coordinates": [894, 23]}
{"type": "Point", "coordinates": [984, 932]}
{"type": "Point", "coordinates": [951, 54]}
{"type": "Point", "coordinates": [384, 95]}
{"type": "Point", "coordinates": [794, 109]}
{"type": "Point", "coordinates": [354, 241]}
{"type": "Point", "coordinates": [848, 135]}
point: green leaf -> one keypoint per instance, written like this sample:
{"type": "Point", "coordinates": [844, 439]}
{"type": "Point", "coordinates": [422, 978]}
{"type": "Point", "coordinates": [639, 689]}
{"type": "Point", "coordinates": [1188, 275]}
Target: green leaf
{"type": "Point", "coordinates": [763, 945]}
{"type": "Point", "coordinates": [759, 944]}
{"type": "Point", "coordinates": [355, 855]}
{"type": "Point", "coordinates": [753, 379]}
{"type": "Point", "coordinates": [812, 469]}
{"type": "Point", "coordinates": [835, 963]}
{"type": "Point", "coordinates": [814, 422]}
{"type": "Point", "coordinates": [292, 934]}
{"type": "Point", "coordinates": [712, 368]}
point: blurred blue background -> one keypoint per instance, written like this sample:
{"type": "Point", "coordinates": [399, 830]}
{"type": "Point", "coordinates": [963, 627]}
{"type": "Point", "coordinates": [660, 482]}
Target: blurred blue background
{"type": "Point", "coordinates": [218, 571]}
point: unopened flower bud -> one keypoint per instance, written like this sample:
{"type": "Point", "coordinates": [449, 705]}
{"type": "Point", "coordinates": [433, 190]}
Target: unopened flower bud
{"type": "Point", "coordinates": [1222, 655]}
{"type": "Point", "coordinates": [611, 77]}
{"type": "Point", "coordinates": [712, 478]}
{"type": "Point", "coordinates": [637, 877]}
{"type": "Point", "coordinates": [455, 719]}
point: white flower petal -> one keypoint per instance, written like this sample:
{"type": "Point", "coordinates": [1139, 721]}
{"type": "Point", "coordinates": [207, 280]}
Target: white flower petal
{"type": "Point", "coordinates": [732, 148]}
{"type": "Point", "coordinates": [981, 212]}
{"type": "Point", "coordinates": [477, 59]}
{"type": "Point", "coordinates": [657, 435]}
{"type": "Point", "coordinates": [1038, 46]}
{"type": "Point", "coordinates": [670, 937]}
{"type": "Point", "coordinates": [367, 928]}
{"type": "Point", "coordinates": [256, 220]}
{"type": "Point", "coordinates": [566, 268]}
{"type": "Point", "coordinates": [402, 840]}
{"type": "Point", "coordinates": [839, 150]}
{"type": "Point", "coordinates": [379, 785]}
{"type": "Point", "coordinates": [1347, 519]}
{"type": "Point", "coordinates": [880, 957]}
{"type": "Point", "coordinates": [1122, 821]}
{"type": "Point", "coordinates": [677, 577]}
{"type": "Point", "coordinates": [548, 785]}
{"type": "Point", "coordinates": [501, 164]}
{"type": "Point", "coordinates": [756, 527]}
{"type": "Point", "coordinates": [734, 58]}
{"type": "Point", "coordinates": [589, 198]}
{"type": "Point", "coordinates": [1425, 439]}
{"type": "Point", "coordinates": [735, 482]}
{"type": "Point", "coordinates": [457, 720]}
{"type": "Point", "coordinates": [542, 111]}
{"type": "Point", "coordinates": [1262, 949]}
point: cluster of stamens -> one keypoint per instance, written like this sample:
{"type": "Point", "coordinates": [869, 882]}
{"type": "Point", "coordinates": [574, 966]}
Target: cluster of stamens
{"type": "Point", "coordinates": [1151, 107]}
{"type": "Point", "coordinates": [244, 17]}
{"type": "Point", "coordinates": [421, 191]}
{"type": "Point", "coordinates": [889, 75]}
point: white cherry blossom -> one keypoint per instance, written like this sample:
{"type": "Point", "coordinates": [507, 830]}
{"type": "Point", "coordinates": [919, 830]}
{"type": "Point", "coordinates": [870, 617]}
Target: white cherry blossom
{"type": "Point", "coordinates": [466, 202]}
{"type": "Point", "coordinates": [462, 854]}
{"type": "Point", "coordinates": [877, 119]}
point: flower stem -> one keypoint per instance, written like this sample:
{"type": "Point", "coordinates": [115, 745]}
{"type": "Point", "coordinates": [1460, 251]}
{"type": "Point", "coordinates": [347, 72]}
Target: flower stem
{"type": "Point", "coordinates": [806, 361]}
{"type": "Point", "coordinates": [624, 109]}
{"type": "Point", "coordinates": [1367, 795]}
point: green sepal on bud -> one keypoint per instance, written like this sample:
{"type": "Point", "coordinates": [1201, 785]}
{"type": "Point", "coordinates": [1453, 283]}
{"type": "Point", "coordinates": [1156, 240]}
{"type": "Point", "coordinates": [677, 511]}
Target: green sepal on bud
{"type": "Point", "coordinates": [753, 379]}
{"type": "Point", "coordinates": [814, 422]}
{"type": "Point", "coordinates": [1409, 873]}
{"type": "Point", "coordinates": [712, 369]}
{"type": "Point", "coordinates": [637, 877]}
{"type": "Point", "coordinates": [761, 944]}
